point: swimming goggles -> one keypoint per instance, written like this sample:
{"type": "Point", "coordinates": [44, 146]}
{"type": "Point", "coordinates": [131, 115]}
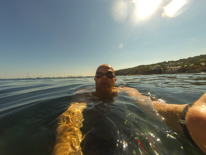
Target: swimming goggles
{"type": "Point", "coordinates": [108, 74]}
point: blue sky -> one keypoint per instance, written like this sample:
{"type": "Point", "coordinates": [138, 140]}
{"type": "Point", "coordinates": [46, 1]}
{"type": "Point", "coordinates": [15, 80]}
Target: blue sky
{"type": "Point", "coordinates": [73, 37]}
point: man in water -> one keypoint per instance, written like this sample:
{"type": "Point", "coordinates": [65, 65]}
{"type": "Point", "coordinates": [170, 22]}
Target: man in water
{"type": "Point", "coordinates": [189, 119]}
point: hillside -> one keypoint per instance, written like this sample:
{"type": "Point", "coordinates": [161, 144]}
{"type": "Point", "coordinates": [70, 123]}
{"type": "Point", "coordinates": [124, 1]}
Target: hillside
{"type": "Point", "coordinates": [195, 64]}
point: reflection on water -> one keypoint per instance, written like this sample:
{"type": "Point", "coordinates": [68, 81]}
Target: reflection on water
{"type": "Point", "coordinates": [29, 112]}
{"type": "Point", "coordinates": [69, 136]}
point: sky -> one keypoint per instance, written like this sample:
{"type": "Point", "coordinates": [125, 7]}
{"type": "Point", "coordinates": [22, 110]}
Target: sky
{"type": "Point", "coordinates": [52, 38]}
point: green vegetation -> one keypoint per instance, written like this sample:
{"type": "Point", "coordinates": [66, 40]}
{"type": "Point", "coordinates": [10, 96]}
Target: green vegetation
{"type": "Point", "coordinates": [195, 64]}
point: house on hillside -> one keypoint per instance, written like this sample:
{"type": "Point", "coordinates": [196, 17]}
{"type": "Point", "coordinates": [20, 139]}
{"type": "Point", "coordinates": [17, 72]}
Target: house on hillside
{"type": "Point", "coordinates": [169, 64]}
{"type": "Point", "coordinates": [156, 67]}
{"type": "Point", "coordinates": [203, 64]}
{"type": "Point", "coordinates": [175, 68]}
{"type": "Point", "coordinates": [179, 63]}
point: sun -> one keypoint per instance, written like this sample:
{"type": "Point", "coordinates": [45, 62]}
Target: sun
{"type": "Point", "coordinates": [138, 10]}
{"type": "Point", "coordinates": [145, 8]}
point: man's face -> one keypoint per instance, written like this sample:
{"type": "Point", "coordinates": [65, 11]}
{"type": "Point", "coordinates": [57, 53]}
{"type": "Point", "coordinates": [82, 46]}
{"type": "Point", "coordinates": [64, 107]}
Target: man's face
{"type": "Point", "coordinates": [104, 82]}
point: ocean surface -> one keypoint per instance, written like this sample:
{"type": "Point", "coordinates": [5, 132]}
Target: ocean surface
{"type": "Point", "coordinates": [29, 110]}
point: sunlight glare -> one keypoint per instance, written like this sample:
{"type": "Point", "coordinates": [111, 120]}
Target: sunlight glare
{"type": "Point", "coordinates": [145, 8]}
{"type": "Point", "coordinates": [174, 8]}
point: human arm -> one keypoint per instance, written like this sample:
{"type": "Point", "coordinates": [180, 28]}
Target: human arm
{"type": "Point", "coordinates": [172, 113]}
{"type": "Point", "coordinates": [195, 119]}
{"type": "Point", "coordinates": [69, 136]}
{"type": "Point", "coordinates": [141, 100]}
{"type": "Point", "coordinates": [196, 122]}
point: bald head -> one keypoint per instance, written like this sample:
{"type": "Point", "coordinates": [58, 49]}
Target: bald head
{"type": "Point", "coordinates": [105, 81]}
{"type": "Point", "coordinates": [106, 66]}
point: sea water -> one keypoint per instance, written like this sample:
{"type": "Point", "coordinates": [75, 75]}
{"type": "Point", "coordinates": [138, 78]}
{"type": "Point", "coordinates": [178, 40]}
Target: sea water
{"type": "Point", "coordinates": [29, 111]}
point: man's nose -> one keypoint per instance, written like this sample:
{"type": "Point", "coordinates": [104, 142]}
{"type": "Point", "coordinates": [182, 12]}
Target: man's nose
{"type": "Point", "coordinates": [104, 76]}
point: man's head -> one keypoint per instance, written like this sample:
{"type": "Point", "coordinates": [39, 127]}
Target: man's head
{"type": "Point", "coordinates": [105, 77]}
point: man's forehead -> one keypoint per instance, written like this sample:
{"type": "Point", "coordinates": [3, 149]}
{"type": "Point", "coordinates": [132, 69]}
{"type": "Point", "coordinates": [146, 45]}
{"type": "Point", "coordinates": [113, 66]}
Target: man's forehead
{"type": "Point", "coordinates": [105, 69]}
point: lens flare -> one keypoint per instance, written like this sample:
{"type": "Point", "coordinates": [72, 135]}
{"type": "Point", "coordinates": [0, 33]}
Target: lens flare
{"type": "Point", "coordinates": [120, 11]}
{"type": "Point", "coordinates": [174, 8]}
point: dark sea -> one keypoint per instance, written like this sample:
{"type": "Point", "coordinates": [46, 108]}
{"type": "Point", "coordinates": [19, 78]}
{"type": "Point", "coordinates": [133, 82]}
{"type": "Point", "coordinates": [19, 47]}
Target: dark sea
{"type": "Point", "coordinates": [29, 110]}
